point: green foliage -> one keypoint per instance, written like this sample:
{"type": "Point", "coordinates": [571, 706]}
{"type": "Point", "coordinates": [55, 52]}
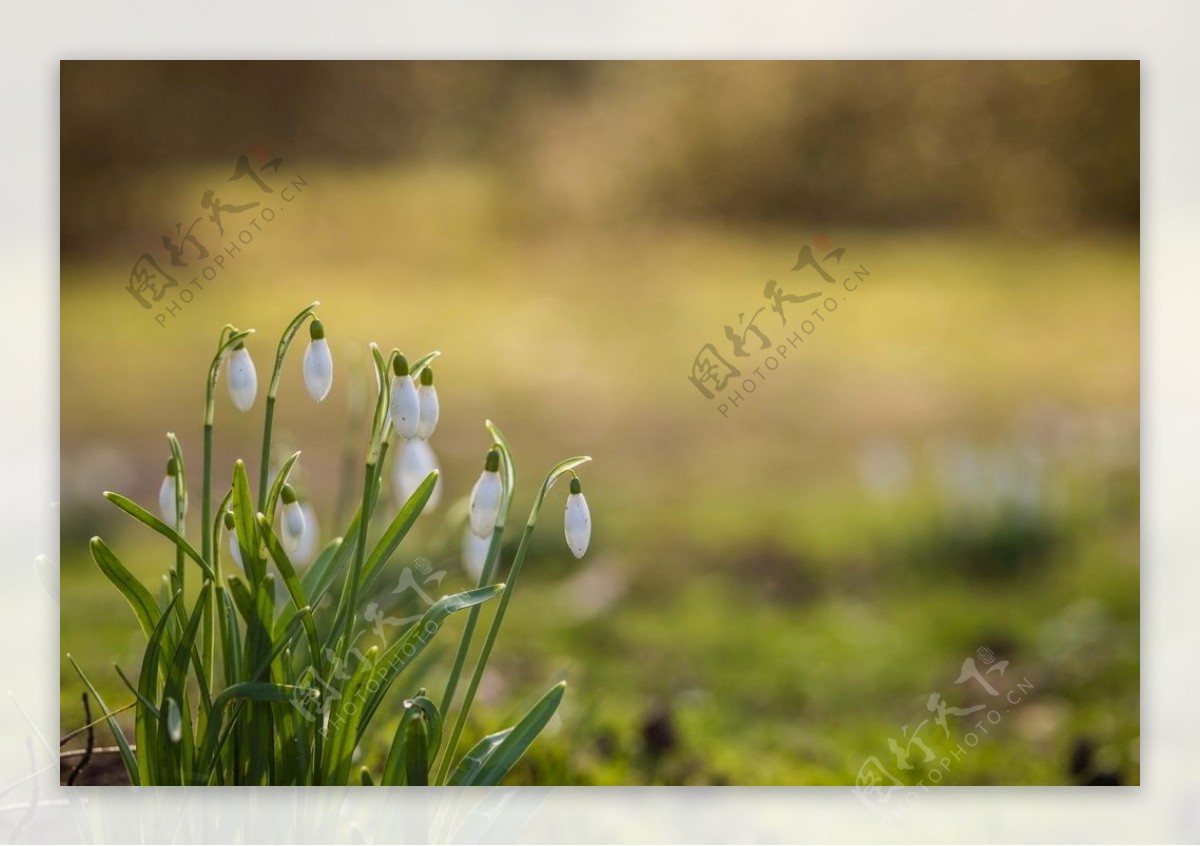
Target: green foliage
{"type": "Point", "coordinates": [296, 696]}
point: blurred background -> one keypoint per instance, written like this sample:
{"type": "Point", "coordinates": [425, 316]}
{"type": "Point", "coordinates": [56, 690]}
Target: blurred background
{"type": "Point", "coordinates": [945, 470]}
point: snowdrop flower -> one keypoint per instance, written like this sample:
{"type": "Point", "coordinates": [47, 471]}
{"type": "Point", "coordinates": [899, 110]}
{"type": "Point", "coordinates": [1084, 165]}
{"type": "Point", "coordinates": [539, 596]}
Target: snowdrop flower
{"type": "Point", "coordinates": [405, 408]}
{"type": "Point", "coordinates": [577, 521]}
{"type": "Point", "coordinates": [292, 519]}
{"type": "Point", "coordinates": [485, 497]}
{"type": "Point", "coordinates": [414, 461]}
{"type": "Point", "coordinates": [166, 494]}
{"type": "Point", "coordinates": [318, 363]}
{"type": "Point", "coordinates": [474, 554]}
{"type": "Point", "coordinates": [427, 395]}
{"type": "Point", "coordinates": [306, 549]}
{"type": "Point", "coordinates": [243, 381]}
{"type": "Point", "coordinates": [235, 551]}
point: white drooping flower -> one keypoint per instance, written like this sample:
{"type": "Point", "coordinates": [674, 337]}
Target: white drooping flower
{"type": "Point", "coordinates": [235, 551]}
{"type": "Point", "coordinates": [405, 408]}
{"type": "Point", "coordinates": [577, 520]}
{"type": "Point", "coordinates": [414, 460]}
{"type": "Point", "coordinates": [292, 519]}
{"type": "Point", "coordinates": [318, 363]}
{"type": "Point", "coordinates": [166, 495]}
{"type": "Point", "coordinates": [306, 550]}
{"type": "Point", "coordinates": [486, 496]}
{"type": "Point", "coordinates": [428, 398]}
{"type": "Point", "coordinates": [243, 381]}
{"type": "Point", "coordinates": [474, 554]}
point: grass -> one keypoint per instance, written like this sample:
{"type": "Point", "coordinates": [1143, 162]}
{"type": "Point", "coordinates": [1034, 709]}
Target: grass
{"type": "Point", "coordinates": [758, 579]}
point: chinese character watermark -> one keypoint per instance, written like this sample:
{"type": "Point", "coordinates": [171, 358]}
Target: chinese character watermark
{"type": "Point", "coordinates": [822, 278]}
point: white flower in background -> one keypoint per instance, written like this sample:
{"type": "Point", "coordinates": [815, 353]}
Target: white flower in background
{"type": "Point", "coordinates": [235, 551]}
{"type": "Point", "coordinates": [174, 721]}
{"type": "Point", "coordinates": [413, 461]}
{"type": "Point", "coordinates": [405, 408]}
{"type": "Point", "coordinates": [577, 520]}
{"type": "Point", "coordinates": [427, 395]}
{"type": "Point", "coordinates": [243, 381]}
{"type": "Point", "coordinates": [485, 497]}
{"type": "Point", "coordinates": [292, 519]}
{"type": "Point", "coordinates": [166, 495]}
{"type": "Point", "coordinates": [318, 363]}
{"type": "Point", "coordinates": [474, 554]}
{"type": "Point", "coordinates": [306, 549]}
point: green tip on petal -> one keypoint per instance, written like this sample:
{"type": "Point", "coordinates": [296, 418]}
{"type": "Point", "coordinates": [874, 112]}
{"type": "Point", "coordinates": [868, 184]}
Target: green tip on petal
{"type": "Point", "coordinates": [229, 521]}
{"type": "Point", "coordinates": [289, 495]}
{"type": "Point", "coordinates": [400, 364]}
{"type": "Point", "coordinates": [172, 467]}
{"type": "Point", "coordinates": [427, 376]}
{"type": "Point", "coordinates": [576, 485]}
{"type": "Point", "coordinates": [493, 461]}
{"type": "Point", "coordinates": [316, 330]}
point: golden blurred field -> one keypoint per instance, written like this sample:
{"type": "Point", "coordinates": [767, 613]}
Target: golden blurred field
{"type": "Point", "coordinates": [949, 463]}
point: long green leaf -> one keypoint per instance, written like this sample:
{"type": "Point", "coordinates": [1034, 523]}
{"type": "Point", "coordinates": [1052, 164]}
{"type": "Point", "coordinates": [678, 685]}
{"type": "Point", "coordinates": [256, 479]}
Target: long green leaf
{"type": "Point", "coordinates": [135, 593]}
{"type": "Point", "coordinates": [277, 486]}
{"type": "Point", "coordinates": [416, 752]}
{"type": "Point", "coordinates": [251, 692]}
{"type": "Point", "coordinates": [143, 516]}
{"type": "Point", "coordinates": [295, 590]}
{"type": "Point", "coordinates": [404, 651]}
{"type": "Point", "coordinates": [509, 750]}
{"type": "Point", "coordinates": [400, 526]}
{"type": "Point", "coordinates": [127, 756]}
{"type": "Point", "coordinates": [403, 759]}
{"type": "Point", "coordinates": [147, 747]}
{"type": "Point", "coordinates": [175, 687]}
{"type": "Point", "coordinates": [471, 763]}
{"type": "Point", "coordinates": [245, 524]}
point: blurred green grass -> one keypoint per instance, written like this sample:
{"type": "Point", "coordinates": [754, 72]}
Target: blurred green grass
{"type": "Point", "coordinates": [949, 463]}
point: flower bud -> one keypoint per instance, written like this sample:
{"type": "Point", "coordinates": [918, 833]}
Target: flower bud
{"type": "Point", "coordinates": [318, 363]}
{"type": "Point", "coordinates": [428, 398]}
{"type": "Point", "coordinates": [486, 496]}
{"type": "Point", "coordinates": [405, 408]}
{"type": "Point", "coordinates": [292, 519]}
{"type": "Point", "coordinates": [243, 381]}
{"type": "Point", "coordinates": [166, 494]}
{"type": "Point", "coordinates": [577, 520]}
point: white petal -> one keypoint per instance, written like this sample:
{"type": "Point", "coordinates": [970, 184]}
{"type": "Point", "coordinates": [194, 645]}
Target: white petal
{"type": "Point", "coordinates": [405, 407]}
{"type": "Point", "coordinates": [166, 500]}
{"type": "Point", "coordinates": [485, 503]}
{"type": "Point", "coordinates": [243, 381]}
{"type": "Point", "coordinates": [293, 525]}
{"type": "Point", "coordinates": [306, 549]}
{"type": "Point", "coordinates": [414, 462]}
{"type": "Point", "coordinates": [577, 521]}
{"type": "Point", "coordinates": [474, 554]}
{"type": "Point", "coordinates": [318, 369]}
{"type": "Point", "coordinates": [427, 394]}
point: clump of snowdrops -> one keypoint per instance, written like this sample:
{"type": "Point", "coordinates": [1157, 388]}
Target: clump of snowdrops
{"type": "Point", "coordinates": [241, 684]}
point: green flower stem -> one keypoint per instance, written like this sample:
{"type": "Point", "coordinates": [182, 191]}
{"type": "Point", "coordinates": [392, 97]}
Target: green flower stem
{"type": "Point", "coordinates": [229, 337]}
{"type": "Point", "coordinates": [464, 645]}
{"type": "Point", "coordinates": [265, 458]}
{"type": "Point", "coordinates": [485, 577]}
{"type": "Point", "coordinates": [360, 555]}
{"type": "Point", "coordinates": [285, 341]}
{"type": "Point", "coordinates": [505, 598]}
